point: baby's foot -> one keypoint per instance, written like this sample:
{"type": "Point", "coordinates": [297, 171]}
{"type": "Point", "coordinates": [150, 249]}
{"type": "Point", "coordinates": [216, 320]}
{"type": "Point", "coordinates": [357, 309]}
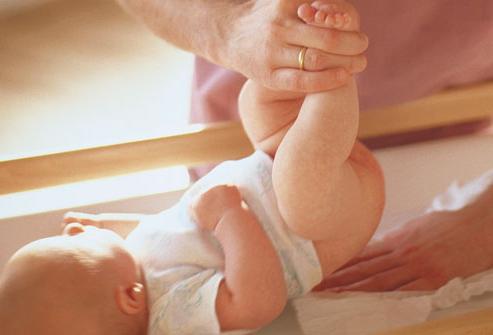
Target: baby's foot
{"type": "Point", "coordinates": [330, 14]}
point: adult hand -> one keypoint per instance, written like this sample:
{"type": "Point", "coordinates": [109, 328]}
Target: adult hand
{"type": "Point", "coordinates": [265, 39]}
{"type": "Point", "coordinates": [422, 255]}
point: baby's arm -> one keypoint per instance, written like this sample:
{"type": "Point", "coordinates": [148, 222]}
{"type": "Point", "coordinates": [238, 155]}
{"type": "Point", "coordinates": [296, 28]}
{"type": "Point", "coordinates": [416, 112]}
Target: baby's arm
{"type": "Point", "coordinates": [253, 292]}
{"type": "Point", "coordinates": [120, 223]}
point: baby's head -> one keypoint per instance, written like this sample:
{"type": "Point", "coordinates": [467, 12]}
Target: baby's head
{"type": "Point", "coordinates": [82, 282]}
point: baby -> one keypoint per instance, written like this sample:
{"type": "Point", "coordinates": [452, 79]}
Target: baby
{"type": "Point", "coordinates": [244, 239]}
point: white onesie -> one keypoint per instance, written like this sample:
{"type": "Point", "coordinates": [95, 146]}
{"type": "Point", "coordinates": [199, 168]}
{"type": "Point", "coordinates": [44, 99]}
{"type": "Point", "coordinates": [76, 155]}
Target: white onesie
{"type": "Point", "coordinates": [184, 265]}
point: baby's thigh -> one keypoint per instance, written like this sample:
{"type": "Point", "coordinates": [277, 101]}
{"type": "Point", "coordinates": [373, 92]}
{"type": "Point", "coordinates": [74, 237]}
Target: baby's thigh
{"type": "Point", "coordinates": [332, 254]}
{"type": "Point", "coordinates": [267, 115]}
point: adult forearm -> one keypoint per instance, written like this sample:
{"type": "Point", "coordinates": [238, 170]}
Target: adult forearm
{"type": "Point", "coordinates": [197, 26]}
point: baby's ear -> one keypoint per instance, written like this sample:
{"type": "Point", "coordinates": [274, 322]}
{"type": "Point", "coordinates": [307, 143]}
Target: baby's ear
{"type": "Point", "coordinates": [131, 299]}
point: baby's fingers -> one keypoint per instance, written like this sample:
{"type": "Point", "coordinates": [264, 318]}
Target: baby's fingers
{"type": "Point", "coordinates": [82, 218]}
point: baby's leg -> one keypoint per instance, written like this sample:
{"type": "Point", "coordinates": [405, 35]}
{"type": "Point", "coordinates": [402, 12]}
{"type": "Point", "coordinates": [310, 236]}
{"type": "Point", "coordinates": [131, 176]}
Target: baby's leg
{"type": "Point", "coordinates": [268, 114]}
{"type": "Point", "coordinates": [329, 187]}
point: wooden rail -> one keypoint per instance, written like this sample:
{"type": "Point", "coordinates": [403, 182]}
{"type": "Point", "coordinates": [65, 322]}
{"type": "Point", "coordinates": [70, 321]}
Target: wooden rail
{"type": "Point", "coordinates": [210, 144]}
{"type": "Point", "coordinates": [445, 108]}
{"type": "Point", "coordinates": [222, 141]}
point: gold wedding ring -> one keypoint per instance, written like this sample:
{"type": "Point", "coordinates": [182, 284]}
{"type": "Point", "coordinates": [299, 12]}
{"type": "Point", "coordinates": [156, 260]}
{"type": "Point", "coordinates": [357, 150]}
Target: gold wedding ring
{"type": "Point", "coordinates": [301, 58]}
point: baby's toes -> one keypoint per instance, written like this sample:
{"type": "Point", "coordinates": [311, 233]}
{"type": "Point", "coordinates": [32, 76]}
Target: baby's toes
{"type": "Point", "coordinates": [307, 13]}
{"type": "Point", "coordinates": [325, 14]}
{"type": "Point", "coordinates": [338, 20]}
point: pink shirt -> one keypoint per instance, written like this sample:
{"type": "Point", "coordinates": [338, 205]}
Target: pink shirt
{"type": "Point", "coordinates": [417, 47]}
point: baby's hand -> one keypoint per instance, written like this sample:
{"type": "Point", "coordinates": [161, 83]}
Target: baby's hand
{"type": "Point", "coordinates": [209, 207]}
{"type": "Point", "coordinates": [338, 14]}
{"type": "Point", "coordinates": [84, 219]}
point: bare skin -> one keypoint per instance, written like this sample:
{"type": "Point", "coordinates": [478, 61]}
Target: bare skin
{"type": "Point", "coordinates": [267, 31]}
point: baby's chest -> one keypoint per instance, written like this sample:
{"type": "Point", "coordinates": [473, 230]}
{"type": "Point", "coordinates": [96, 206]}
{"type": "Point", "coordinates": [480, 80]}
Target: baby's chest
{"type": "Point", "coordinates": [168, 250]}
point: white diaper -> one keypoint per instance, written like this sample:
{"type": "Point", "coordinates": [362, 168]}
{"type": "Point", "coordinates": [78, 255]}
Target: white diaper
{"type": "Point", "coordinates": [184, 265]}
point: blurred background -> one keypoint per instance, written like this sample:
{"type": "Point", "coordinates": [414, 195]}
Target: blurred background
{"type": "Point", "coordinates": [82, 73]}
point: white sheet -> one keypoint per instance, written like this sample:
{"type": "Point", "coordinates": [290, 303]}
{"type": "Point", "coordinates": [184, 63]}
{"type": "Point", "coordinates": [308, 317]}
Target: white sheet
{"type": "Point", "coordinates": [367, 313]}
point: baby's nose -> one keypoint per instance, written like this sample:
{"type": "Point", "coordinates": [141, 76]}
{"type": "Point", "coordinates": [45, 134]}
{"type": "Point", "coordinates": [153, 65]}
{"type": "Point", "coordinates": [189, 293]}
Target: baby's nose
{"type": "Point", "coordinates": [73, 228]}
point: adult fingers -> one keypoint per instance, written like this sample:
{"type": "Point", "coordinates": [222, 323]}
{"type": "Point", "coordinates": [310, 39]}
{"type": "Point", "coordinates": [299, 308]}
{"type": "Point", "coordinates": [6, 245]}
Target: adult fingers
{"type": "Point", "coordinates": [332, 41]}
{"type": "Point", "coordinates": [361, 271]}
{"type": "Point", "coordinates": [385, 281]}
{"type": "Point", "coordinates": [373, 250]}
{"type": "Point", "coordinates": [417, 285]}
{"type": "Point", "coordinates": [316, 60]}
{"type": "Point", "coordinates": [305, 81]}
